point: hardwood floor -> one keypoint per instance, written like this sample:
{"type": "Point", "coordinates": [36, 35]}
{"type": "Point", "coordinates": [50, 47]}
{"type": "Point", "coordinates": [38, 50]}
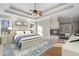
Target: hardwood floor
{"type": "Point", "coordinates": [54, 51]}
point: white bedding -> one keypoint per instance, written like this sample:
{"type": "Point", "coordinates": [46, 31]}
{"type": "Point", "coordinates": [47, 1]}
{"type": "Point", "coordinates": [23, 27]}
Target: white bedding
{"type": "Point", "coordinates": [28, 38]}
{"type": "Point", "coordinates": [20, 34]}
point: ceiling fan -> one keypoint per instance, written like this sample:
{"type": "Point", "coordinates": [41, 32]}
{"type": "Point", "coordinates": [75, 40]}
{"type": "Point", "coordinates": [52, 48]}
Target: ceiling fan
{"type": "Point", "coordinates": [36, 12]}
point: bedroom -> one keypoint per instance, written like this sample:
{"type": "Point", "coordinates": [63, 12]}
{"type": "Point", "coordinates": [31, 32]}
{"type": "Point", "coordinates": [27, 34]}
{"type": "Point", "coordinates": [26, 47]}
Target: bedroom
{"type": "Point", "coordinates": [30, 29]}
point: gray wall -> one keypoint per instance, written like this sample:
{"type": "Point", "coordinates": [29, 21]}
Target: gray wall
{"type": "Point", "coordinates": [71, 23]}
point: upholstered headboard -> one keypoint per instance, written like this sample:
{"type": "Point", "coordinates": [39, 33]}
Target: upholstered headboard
{"type": "Point", "coordinates": [22, 32]}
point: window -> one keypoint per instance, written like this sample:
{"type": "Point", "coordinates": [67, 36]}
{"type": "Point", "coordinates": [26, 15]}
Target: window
{"type": "Point", "coordinates": [5, 23]}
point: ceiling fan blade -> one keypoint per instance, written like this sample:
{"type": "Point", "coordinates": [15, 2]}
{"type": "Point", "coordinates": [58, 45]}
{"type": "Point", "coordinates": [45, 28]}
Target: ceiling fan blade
{"type": "Point", "coordinates": [40, 13]}
{"type": "Point", "coordinates": [31, 10]}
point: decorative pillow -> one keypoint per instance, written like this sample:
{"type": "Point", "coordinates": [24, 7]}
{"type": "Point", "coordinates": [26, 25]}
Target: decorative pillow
{"type": "Point", "coordinates": [27, 32]}
{"type": "Point", "coordinates": [19, 32]}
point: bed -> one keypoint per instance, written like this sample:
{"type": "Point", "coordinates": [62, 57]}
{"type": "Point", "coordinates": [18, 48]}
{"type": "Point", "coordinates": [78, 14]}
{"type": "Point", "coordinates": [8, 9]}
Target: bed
{"type": "Point", "coordinates": [71, 47]}
{"type": "Point", "coordinates": [24, 41]}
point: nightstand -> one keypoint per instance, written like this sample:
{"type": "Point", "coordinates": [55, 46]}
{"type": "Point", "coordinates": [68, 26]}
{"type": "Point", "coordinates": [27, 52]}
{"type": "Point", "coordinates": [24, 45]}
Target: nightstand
{"type": "Point", "coordinates": [6, 39]}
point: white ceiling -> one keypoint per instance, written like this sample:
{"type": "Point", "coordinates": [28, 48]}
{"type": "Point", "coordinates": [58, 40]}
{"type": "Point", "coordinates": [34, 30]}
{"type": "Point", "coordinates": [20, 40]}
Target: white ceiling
{"type": "Point", "coordinates": [27, 6]}
{"type": "Point", "coordinates": [47, 8]}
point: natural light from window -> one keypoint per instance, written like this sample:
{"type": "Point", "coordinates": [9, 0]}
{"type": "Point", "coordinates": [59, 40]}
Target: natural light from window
{"type": "Point", "coordinates": [40, 30]}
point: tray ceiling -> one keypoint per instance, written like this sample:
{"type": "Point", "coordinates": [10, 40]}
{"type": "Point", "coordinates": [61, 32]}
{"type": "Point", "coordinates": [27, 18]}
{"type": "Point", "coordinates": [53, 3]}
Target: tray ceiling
{"type": "Point", "coordinates": [47, 8]}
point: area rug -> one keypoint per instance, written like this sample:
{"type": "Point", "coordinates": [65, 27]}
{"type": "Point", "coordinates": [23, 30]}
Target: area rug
{"type": "Point", "coordinates": [40, 49]}
{"type": "Point", "coordinates": [34, 50]}
{"type": "Point", "coordinates": [12, 50]}
{"type": "Point", "coordinates": [7, 51]}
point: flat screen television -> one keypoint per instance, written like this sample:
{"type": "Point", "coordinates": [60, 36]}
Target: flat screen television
{"type": "Point", "coordinates": [54, 31]}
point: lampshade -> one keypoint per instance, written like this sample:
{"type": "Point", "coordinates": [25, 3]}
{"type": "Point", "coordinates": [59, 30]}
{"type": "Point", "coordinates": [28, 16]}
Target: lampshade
{"type": "Point", "coordinates": [10, 28]}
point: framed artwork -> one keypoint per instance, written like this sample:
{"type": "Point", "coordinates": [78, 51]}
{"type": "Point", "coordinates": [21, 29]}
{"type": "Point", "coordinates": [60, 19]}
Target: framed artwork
{"type": "Point", "coordinates": [18, 23]}
{"type": "Point", "coordinates": [25, 23]}
{"type": "Point", "coordinates": [31, 25]}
